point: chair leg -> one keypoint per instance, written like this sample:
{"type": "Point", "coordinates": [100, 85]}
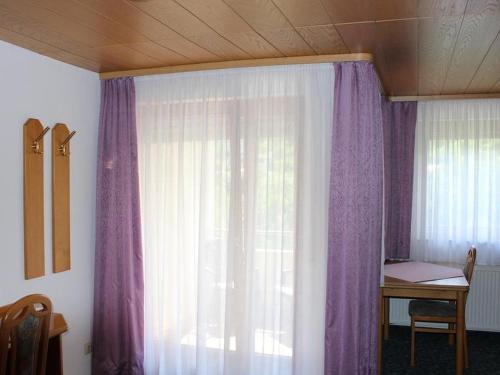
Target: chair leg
{"type": "Point", "coordinates": [466, 351]}
{"type": "Point", "coordinates": [413, 349]}
{"type": "Point", "coordinates": [451, 336]}
{"type": "Point", "coordinates": [387, 306]}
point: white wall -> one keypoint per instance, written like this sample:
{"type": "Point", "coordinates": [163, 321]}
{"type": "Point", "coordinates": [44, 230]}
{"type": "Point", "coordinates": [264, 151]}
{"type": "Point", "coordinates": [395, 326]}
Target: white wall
{"type": "Point", "coordinates": [35, 86]}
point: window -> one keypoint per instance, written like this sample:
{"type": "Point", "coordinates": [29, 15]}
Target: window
{"type": "Point", "coordinates": [234, 189]}
{"type": "Point", "coordinates": [456, 197]}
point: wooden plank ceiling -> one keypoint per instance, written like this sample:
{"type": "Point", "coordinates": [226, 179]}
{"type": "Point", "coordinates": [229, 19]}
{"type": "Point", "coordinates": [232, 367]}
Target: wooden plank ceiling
{"type": "Point", "coordinates": [421, 47]}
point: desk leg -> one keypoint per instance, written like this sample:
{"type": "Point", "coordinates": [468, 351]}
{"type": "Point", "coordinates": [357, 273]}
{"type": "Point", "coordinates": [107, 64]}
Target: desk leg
{"type": "Point", "coordinates": [380, 330]}
{"type": "Point", "coordinates": [459, 346]}
{"type": "Point", "coordinates": [387, 307]}
{"type": "Point", "coordinates": [54, 356]}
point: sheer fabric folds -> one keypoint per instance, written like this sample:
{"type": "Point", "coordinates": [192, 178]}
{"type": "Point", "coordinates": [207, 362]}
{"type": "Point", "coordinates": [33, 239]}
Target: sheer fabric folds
{"type": "Point", "coordinates": [456, 193]}
{"type": "Point", "coordinates": [234, 179]}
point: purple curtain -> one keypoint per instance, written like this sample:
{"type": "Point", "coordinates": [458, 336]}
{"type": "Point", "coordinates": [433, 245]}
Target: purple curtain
{"type": "Point", "coordinates": [399, 119]}
{"type": "Point", "coordinates": [118, 337]}
{"type": "Point", "coordinates": [355, 224]}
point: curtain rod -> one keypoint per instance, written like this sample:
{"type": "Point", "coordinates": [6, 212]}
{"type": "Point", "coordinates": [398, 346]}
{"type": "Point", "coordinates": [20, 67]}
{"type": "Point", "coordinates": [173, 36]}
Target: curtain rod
{"type": "Point", "coordinates": [421, 98]}
{"type": "Point", "coordinates": [316, 59]}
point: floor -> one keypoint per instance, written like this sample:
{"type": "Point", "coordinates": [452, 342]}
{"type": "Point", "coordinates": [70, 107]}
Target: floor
{"type": "Point", "coordinates": [435, 356]}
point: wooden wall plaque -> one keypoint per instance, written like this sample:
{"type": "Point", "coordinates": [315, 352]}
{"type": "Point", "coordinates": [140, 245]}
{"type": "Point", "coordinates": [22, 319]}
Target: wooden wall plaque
{"type": "Point", "coordinates": [34, 253]}
{"type": "Point", "coordinates": [61, 243]}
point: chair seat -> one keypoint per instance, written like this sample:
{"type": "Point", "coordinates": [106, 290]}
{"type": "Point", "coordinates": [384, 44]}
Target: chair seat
{"type": "Point", "coordinates": [431, 308]}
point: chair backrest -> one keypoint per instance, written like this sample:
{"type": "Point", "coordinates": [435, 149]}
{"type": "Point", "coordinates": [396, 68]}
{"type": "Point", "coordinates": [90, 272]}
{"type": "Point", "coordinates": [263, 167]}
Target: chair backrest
{"type": "Point", "coordinates": [24, 336]}
{"type": "Point", "coordinates": [470, 262]}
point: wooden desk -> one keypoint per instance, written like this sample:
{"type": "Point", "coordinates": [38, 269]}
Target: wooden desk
{"type": "Point", "coordinates": [453, 289]}
{"type": "Point", "coordinates": [54, 353]}
{"type": "Point", "coordinates": [58, 326]}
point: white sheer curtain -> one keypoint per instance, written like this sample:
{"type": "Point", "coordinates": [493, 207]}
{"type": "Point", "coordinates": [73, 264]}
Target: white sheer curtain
{"type": "Point", "coordinates": [456, 192]}
{"type": "Point", "coordinates": [234, 174]}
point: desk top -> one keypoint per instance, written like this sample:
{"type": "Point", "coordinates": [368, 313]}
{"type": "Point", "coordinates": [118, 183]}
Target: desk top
{"type": "Point", "coordinates": [455, 283]}
{"type": "Point", "coordinates": [415, 272]}
{"type": "Point", "coordinates": [58, 324]}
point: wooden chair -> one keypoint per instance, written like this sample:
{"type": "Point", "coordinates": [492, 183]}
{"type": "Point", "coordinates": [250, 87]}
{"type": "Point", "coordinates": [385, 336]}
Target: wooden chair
{"type": "Point", "coordinates": [24, 336]}
{"type": "Point", "coordinates": [440, 312]}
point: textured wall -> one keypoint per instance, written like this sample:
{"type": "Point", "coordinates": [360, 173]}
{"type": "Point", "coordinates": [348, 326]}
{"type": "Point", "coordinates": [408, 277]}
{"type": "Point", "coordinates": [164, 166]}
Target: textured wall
{"type": "Point", "coordinates": [35, 86]}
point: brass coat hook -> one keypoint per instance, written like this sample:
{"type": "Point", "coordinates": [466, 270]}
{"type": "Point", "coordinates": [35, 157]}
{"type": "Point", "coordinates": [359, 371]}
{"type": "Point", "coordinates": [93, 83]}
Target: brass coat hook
{"type": "Point", "coordinates": [36, 142]}
{"type": "Point", "coordinates": [62, 147]}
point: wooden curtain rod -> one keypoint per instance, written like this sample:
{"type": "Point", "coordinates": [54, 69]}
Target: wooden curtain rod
{"type": "Point", "coordinates": [443, 97]}
{"type": "Point", "coordinates": [240, 64]}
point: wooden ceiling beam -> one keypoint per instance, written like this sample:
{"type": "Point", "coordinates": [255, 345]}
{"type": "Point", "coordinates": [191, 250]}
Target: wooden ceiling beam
{"type": "Point", "coordinates": [420, 98]}
{"type": "Point", "coordinates": [240, 64]}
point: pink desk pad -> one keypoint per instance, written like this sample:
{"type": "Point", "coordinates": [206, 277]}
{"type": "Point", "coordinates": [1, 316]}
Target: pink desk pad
{"type": "Point", "coordinates": [415, 272]}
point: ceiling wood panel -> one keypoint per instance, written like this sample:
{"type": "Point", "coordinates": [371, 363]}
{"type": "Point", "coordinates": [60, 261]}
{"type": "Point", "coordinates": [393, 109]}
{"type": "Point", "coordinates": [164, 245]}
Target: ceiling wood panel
{"type": "Point", "coordinates": [323, 39]}
{"type": "Point", "coordinates": [185, 23]}
{"type": "Point", "coordinates": [437, 38]}
{"type": "Point", "coordinates": [31, 29]}
{"type": "Point", "coordinates": [48, 50]}
{"type": "Point", "coordinates": [119, 55]}
{"type": "Point", "coordinates": [395, 9]}
{"type": "Point", "coordinates": [260, 14]}
{"type": "Point", "coordinates": [489, 72]}
{"type": "Point", "coordinates": [397, 42]}
{"type": "Point", "coordinates": [158, 52]}
{"type": "Point", "coordinates": [304, 13]}
{"type": "Point", "coordinates": [342, 11]}
{"type": "Point", "coordinates": [231, 26]}
{"type": "Point", "coordinates": [77, 12]}
{"type": "Point", "coordinates": [127, 14]}
{"type": "Point", "coordinates": [26, 41]}
{"type": "Point", "coordinates": [479, 30]}
{"type": "Point", "coordinates": [288, 41]}
{"type": "Point", "coordinates": [496, 88]}
{"type": "Point", "coordinates": [441, 8]}
{"type": "Point", "coordinates": [420, 47]}
{"type": "Point", "coordinates": [268, 20]}
{"type": "Point", "coordinates": [53, 21]}
{"type": "Point", "coordinates": [82, 62]}
{"type": "Point", "coordinates": [132, 39]}
{"type": "Point", "coordinates": [362, 37]}
{"type": "Point", "coordinates": [189, 49]}
{"type": "Point", "coordinates": [358, 36]}
{"type": "Point", "coordinates": [14, 20]}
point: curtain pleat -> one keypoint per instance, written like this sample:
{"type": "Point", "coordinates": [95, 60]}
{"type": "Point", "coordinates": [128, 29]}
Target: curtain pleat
{"type": "Point", "coordinates": [399, 120]}
{"type": "Point", "coordinates": [118, 343]}
{"type": "Point", "coordinates": [355, 222]}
